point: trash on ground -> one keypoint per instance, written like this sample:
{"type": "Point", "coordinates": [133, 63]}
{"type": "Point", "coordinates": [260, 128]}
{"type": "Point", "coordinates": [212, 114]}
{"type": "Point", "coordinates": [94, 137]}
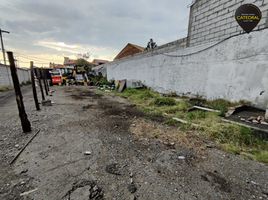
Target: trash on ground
{"type": "Point", "coordinates": [87, 153]}
{"type": "Point", "coordinates": [46, 103]}
{"type": "Point", "coordinates": [122, 85]}
{"type": "Point", "coordinates": [181, 158]}
{"type": "Point", "coordinates": [132, 188]}
{"type": "Point", "coordinates": [233, 110]}
{"type": "Point", "coordinates": [29, 192]}
{"type": "Point", "coordinates": [203, 108]}
{"type": "Point", "coordinates": [134, 84]}
{"type": "Point", "coordinates": [113, 169]}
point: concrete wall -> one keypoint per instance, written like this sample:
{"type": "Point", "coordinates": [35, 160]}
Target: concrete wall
{"type": "Point", "coordinates": [236, 69]}
{"type": "Point", "coordinates": [5, 76]}
{"type": "Point", "coordinates": [214, 20]}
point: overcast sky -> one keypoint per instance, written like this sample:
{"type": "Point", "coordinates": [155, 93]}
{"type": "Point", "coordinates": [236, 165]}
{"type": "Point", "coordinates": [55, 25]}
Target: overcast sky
{"type": "Point", "coordinates": [51, 29]}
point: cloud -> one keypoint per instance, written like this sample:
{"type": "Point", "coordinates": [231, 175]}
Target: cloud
{"type": "Point", "coordinates": [101, 26]}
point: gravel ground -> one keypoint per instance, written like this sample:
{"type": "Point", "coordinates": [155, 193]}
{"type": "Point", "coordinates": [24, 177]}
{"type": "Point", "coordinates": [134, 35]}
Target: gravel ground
{"type": "Point", "coordinates": [91, 146]}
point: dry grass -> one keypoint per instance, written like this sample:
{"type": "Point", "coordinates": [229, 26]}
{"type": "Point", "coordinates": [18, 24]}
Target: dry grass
{"type": "Point", "coordinates": [142, 128]}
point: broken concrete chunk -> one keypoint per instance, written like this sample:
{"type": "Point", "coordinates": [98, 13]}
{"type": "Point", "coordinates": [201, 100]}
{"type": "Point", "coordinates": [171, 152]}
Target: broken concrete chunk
{"type": "Point", "coordinates": [87, 153]}
{"type": "Point", "coordinates": [181, 157]}
{"type": "Point", "coordinates": [122, 85]}
{"type": "Point", "coordinates": [113, 169]}
{"type": "Point", "coordinates": [132, 188]}
{"type": "Point", "coordinates": [203, 108]}
{"type": "Point", "coordinates": [46, 103]}
{"type": "Point", "coordinates": [264, 123]}
{"type": "Point", "coordinates": [29, 192]}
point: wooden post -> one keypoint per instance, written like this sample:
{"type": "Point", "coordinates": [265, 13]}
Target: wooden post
{"type": "Point", "coordinates": [34, 88]}
{"type": "Point", "coordinates": [44, 81]}
{"type": "Point", "coordinates": [47, 82]}
{"type": "Point", "coordinates": [26, 126]}
{"type": "Point", "coordinates": [40, 84]}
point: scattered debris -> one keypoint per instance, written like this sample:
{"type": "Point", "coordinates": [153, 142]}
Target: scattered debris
{"type": "Point", "coordinates": [247, 126]}
{"type": "Point", "coordinates": [132, 188]}
{"type": "Point", "coordinates": [87, 153]}
{"type": "Point", "coordinates": [24, 171]}
{"type": "Point", "coordinates": [132, 197]}
{"type": "Point", "coordinates": [113, 169]}
{"type": "Point", "coordinates": [16, 157]}
{"type": "Point", "coordinates": [203, 108]}
{"type": "Point", "coordinates": [264, 123]}
{"type": "Point", "coordinates": [181, 157]}
{"type": "Point", "coordinates": [122, 85]}
{"type": "Point", "coordinates": [216, 180]}
{"type": "Point", "coordinates": [254, 183]}
{"type": "Point", "coordinates": [256, 120]}
{"type": "Point", "coordinates": [184, 122]}
{"type": "Point", "coordinates": [134, 84]}
{"type": "Point", "coordinates": [46, 103]}
{"type": "Point", "coordinates": [233, 110]}
{"type": "Point", "coordinates": [95, 192]}
{"type": "Point", "coordinates": [29, 192]}
{"type": "Point", "coordinates": [87, 107]}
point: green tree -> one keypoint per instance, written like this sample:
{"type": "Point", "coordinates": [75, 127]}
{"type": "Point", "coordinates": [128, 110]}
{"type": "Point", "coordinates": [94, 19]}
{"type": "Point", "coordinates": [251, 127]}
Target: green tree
{"type": "Point", "coordinates": [84, 65]}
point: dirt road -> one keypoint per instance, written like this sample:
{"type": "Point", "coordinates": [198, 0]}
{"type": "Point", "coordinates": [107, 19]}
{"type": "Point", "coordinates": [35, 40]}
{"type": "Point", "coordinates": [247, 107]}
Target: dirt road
{"type": "Point", "coordinates": [90, 146]}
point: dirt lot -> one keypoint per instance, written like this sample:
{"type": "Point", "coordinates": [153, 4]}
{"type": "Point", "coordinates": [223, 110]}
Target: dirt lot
{"type": "Point", "coordinates": [92, 146]}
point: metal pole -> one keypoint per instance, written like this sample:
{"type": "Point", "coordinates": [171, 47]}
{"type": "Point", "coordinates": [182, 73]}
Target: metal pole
{"type": "Point", "coordinates": [34, 88]}
{"type": "Point", "coordinates": [26, 126]}
{"type": "Point", "coordinates": [4, 54]}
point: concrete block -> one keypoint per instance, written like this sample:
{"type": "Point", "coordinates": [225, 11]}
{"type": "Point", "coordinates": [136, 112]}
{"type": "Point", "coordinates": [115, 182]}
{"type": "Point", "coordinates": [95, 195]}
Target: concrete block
{"type": "Point", "coordinates": [134, 84]}
{"type": "Point", "coordinates": [46, 103]}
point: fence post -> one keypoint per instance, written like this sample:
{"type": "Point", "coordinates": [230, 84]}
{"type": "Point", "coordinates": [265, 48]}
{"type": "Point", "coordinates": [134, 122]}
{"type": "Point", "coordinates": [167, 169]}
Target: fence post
{"type": "Point", "coordinates": [40, 83]}
{"type": "Point", "coordinates": [34, 88]}
{"type": "Point", "coordinates": [26, 126]}
{"type": "Point", "coordinates": [44, 81]}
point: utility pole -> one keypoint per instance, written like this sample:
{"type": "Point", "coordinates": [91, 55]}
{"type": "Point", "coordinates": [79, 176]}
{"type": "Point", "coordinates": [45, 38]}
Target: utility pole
{"type": "Point", "coordinates": [3, 51]}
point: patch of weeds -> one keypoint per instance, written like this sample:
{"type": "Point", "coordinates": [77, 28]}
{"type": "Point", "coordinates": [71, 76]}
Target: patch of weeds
{"type": "Point", "coordinates": [231, 148]}
{"type": "Point", "coordinates": [155, 116]}
{"type": "Point", "coordinates": [185, 127]}
{"type": "Point", "coordinates": [139, 95]}
{"type": "Point", "coordinates": [261, 156]}
{"type": "Point", "coordinates": [5, 88]}
{"type": "Point", "coordinates": [233, 138]}
{"type": "Point", "coordinates": [172, 122]}
{"type": "Point", "coordinates": [171, 94]}
{"type": "Point", "coordinates": [220, 104]}
{"type": "Point", "coordinates": [196, 115]}
{"type": "Point", "coordinates": [164, 101]}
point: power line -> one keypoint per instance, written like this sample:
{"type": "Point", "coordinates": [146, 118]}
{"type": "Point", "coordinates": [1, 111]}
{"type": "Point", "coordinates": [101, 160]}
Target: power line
{"type": "Point", "coordinates": [32, 58]}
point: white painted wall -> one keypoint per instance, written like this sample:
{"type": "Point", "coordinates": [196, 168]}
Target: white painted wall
{"type": "Point", "coordinates": [236, 69]}
{"type": "Point", "coordinates": [6, 79]}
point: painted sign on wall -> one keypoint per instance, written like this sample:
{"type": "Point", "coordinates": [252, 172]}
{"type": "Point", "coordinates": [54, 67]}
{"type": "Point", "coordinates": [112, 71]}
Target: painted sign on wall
{"type": "Point", "coordinates": [248, 17]}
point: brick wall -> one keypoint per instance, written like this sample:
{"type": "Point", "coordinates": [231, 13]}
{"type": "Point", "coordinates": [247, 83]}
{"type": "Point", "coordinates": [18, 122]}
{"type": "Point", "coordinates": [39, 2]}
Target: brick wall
{"type": "Point", "coordinates": [214, 20]}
